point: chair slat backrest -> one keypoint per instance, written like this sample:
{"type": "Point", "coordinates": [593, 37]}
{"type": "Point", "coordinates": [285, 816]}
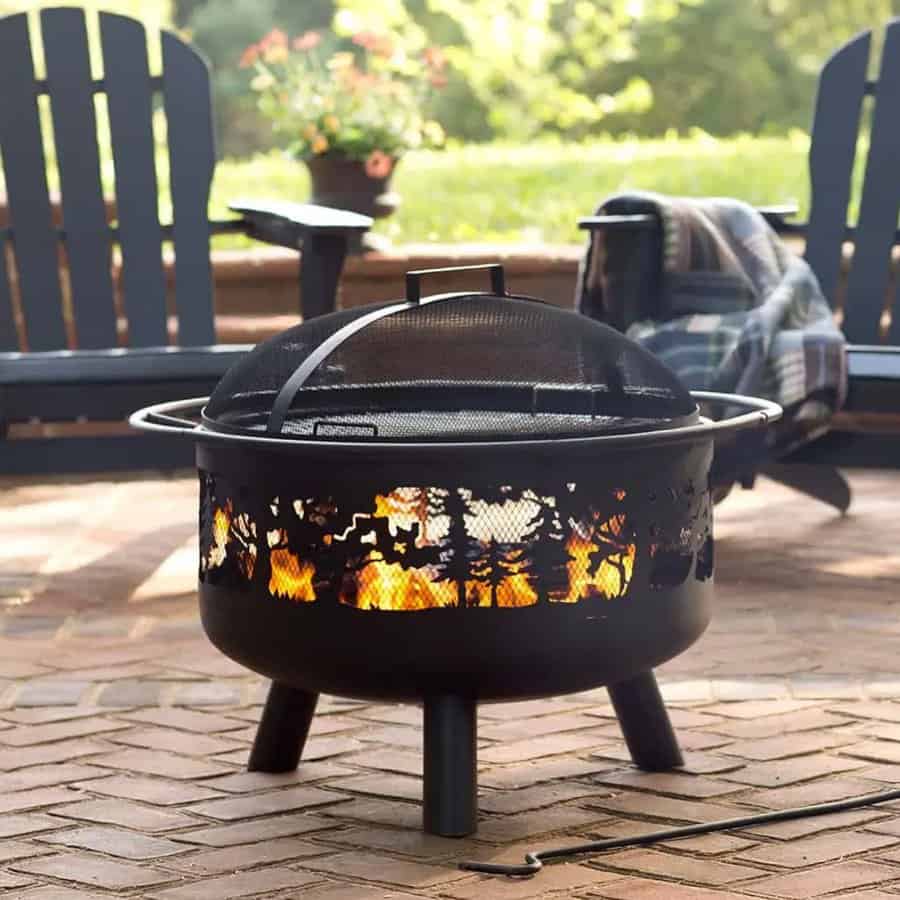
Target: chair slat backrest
{"type": "Point", "coordinates": [24, 166]}
{"type": "Point", "coordinates": [191, 163]}
{"type": "Point", "coordinates": [835, 132]}
{"type": "Point", "coordinates": [835, 136]}
{"type": "Point", "coordinates": [9, 339]}
{"type": "Point", "coordinates": [126, 72]}
{"type": "Point", "coordinates": [70, 87]}
{"type": "Point", "coordinates": [88, 237]}
{"type": "Point", "coordinates": [867, 285]}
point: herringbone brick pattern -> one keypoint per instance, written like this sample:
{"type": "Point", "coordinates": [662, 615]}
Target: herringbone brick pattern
{"type": "Point", "coordinates": [124, 734]}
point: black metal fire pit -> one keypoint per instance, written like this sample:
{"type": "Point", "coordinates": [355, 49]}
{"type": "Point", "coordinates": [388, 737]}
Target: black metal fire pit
{"type": "Point", "coordinates": [454, 499]}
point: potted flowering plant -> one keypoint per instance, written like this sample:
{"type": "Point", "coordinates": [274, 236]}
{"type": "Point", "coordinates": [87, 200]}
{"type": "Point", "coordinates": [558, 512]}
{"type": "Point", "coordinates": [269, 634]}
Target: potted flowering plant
{"type": "Point", "coordinates": [348, 114]}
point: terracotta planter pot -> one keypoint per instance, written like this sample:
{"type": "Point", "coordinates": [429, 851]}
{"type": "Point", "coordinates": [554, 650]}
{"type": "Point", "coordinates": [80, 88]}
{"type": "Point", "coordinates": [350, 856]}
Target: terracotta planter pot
{"type": "Point", "coordinates": [344, 183]}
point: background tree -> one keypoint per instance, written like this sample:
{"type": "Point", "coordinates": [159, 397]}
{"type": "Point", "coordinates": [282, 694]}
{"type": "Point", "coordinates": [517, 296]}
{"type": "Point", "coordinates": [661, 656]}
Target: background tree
{"type": "Point", "coordinates": [572, 68]}
{"type": "Point", "coordinates": [504, 51]}
{"type": "Point", "coordinates": [729, 67]}
{"type": "Point", "coordinates": [716, 65]}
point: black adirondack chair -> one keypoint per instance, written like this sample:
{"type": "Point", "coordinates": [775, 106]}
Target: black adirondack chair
{"type": "Point", "coordinates": [867, 432]}
{"type": "Point", "coordinates": [69, 365]}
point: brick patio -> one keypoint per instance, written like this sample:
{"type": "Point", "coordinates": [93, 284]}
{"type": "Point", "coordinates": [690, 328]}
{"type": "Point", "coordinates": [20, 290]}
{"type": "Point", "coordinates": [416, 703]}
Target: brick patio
{"type": "Point", "coordinates": [123, 733]}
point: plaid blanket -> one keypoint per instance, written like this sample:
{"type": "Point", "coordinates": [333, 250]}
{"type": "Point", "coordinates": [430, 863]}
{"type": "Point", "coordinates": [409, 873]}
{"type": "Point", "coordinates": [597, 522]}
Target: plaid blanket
{"type": "Point", "coordinates": [729, 307]}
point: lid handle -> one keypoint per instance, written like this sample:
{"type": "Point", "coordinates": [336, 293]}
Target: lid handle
{"type": "Point", "coordinates": [289, 389]}
{"type": "Point", "coordinates": [414, 287]}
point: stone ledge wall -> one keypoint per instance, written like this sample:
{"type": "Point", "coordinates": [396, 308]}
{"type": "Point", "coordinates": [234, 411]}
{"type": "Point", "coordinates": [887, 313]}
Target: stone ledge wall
{"type": "Point", "coordinates": [257, 289]}
{"type": "Point", "coordinates": [250, 282]}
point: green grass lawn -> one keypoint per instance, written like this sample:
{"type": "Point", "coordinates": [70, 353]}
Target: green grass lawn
{"type": "Point", "coordinates": [502, 193]}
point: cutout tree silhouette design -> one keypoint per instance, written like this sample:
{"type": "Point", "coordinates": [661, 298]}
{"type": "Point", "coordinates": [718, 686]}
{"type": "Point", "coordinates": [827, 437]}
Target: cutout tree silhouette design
{"type": "Point", "coordinates": [393, 545]}
{"type": "Point", "coordinates": [616, 540]}
{"type": "Point", "coordinates": [242, 549]}
{"type": "Point", "coordinates": [496, 563]}
{"type": "Point", "coordinates": [547, 555]}
{"type": "Point", "coordinates": [270, 537]}
{"type": "Point", "coordinates": [428, 547]}
{"type": "Point", "coordinates": [458, 549]}
{"type": "Point", "coordinates": [318, 529]}
{"type": "Point", "coordinates": [210, 505]}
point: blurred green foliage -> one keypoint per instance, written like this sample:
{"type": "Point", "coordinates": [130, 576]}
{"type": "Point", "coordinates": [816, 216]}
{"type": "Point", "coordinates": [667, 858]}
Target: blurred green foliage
{"type": "Point", "coordinates": [221, 29]}
{"type": "Point", "coordinates": [528, 69]}
{"type": "Point", "coordinates": [728, 67]}
{"type": "Point", "coordinates": [573, 68]}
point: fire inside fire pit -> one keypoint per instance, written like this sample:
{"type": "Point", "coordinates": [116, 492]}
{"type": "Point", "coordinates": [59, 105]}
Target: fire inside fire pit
{"type": "Point", "coordinates": [453, 500]}
{"type": "Point", "coordinates": [418, 548]}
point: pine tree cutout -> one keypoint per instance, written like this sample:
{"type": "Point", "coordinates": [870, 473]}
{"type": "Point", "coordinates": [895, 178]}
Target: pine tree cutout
{"type": "Point", "coordinates": [495, 564]}
{"type": "Point", "coordinates": [547, 556]}
{"type": "Point", "coordinates": [458, 549]}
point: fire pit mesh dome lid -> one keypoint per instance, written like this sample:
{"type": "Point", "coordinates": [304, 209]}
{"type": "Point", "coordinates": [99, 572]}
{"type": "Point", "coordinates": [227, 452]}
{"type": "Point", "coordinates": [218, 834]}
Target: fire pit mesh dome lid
{"type": "Point", "coordinates": [450, 367]}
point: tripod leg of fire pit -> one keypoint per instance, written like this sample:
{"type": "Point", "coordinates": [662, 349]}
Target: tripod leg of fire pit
{"type": "Point", "coordinates": [282, 729]}
{"type": "Point", "coordinates": [450, 792]}
{"type": "Point", "coordinates": [645, 723]}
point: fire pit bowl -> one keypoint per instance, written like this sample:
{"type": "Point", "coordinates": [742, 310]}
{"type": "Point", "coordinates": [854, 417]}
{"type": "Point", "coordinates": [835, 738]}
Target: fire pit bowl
{"type": "Point", "coordinates": [454, 499]}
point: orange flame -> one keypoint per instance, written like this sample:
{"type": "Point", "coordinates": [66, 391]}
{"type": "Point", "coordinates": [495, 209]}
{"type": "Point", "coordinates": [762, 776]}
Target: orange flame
{"type": "Point", "coordinates": [515, 590]}
{"type": "Point", "coordinates": [243, 533]}
{"type": "Point", "coordinates": [391, 586]}
{"type": "Point", "coordinates": [221, 523]}
{"type": "Point", "coordinates": [609, 580]}
{"type": "Point", "coordinates": [384, 585]}
{"type": "Point", "coordinates": [290, 577]}
{"type": "Point", "coordinates": [221, 531]}
{"type": "Point", "coordinates": [403, 508]}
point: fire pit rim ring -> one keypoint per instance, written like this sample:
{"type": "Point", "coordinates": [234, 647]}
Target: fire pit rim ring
{"type": "Point", "coordinates": [166, 418]}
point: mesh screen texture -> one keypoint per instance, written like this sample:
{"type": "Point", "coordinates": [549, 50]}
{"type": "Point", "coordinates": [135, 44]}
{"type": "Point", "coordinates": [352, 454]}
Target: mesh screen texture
{"type": "Point", "coordinates": [468, 366]}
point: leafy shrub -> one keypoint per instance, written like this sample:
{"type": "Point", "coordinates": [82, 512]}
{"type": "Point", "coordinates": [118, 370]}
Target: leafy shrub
{"type": "Point", "coordinates": [367, 103]}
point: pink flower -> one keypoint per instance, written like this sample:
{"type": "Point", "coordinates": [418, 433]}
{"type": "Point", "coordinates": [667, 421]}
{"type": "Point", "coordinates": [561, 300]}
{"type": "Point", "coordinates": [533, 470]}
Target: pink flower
{"type": "Point", "coordinates": [379, 164]}
{"type": "Point", "coordinates": [384, 47]}
{"type": "Point", "coordinates": [380, 45]}
{"type": "Point", "coordinates": [434, 58]}
{"type": "Point", "coordinates": [307, 40]}
{"type": "Point", "coordinates": [276, 53]}
{"type": "Point", "coordinates": [249, 56]}
{"type": "Point", "coordinates": [361, 81]}
{"type": "Point", "coordinates": [275, 38]}
{"type": "Point", "coordinates": [365, 39]}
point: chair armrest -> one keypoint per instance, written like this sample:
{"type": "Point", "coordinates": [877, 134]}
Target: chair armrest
{"type": "Point", "coordinates": [873, 389]}
{"type": "Point", "coordinates": [775, 215]}
{"type": "Point", "coordinates": [778, 210]}
{"type": "Point", "coordinates": [117, 366]}
{"type": "Point", "coordinates": [618, 223]}
{"type": "Point", "coordinates": [879, 362]}
{"type": "Point", "coordinates": [287, 224]}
